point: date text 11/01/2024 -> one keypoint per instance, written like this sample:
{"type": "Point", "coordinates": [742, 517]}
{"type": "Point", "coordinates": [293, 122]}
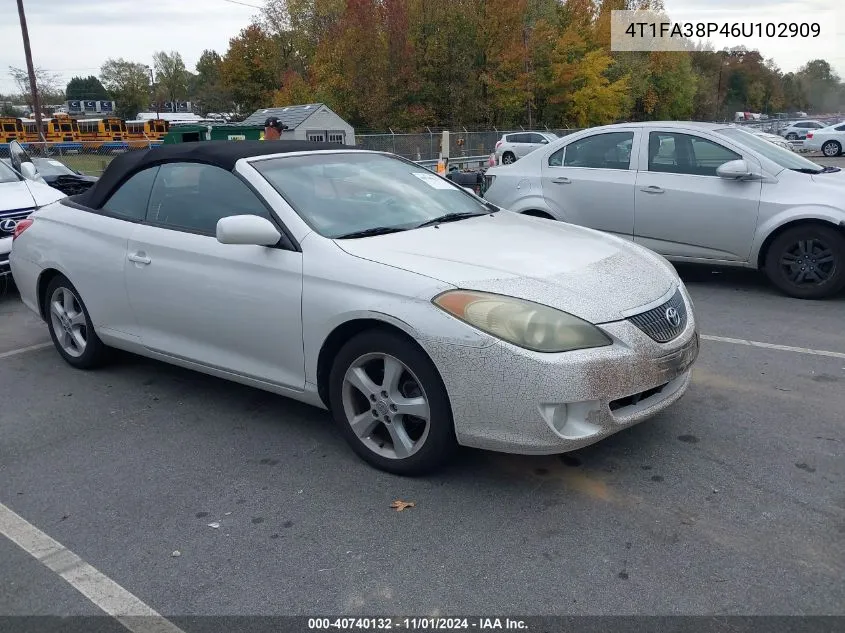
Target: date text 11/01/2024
{"type": "Point", "coordinates": [417, 624]}
{"type": "Point", "coordinates": [733, 29]}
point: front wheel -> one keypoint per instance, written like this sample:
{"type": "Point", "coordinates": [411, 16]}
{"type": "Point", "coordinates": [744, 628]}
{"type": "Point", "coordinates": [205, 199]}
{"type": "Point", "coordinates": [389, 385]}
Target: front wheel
{"type": "Point", "coordinates": [508, 158]}
{"type": "Point", "coordinates": [792, 136]}
{"type": "Point", "coordinates": [831, 149]}
{"type": "Point", "coordinates": [70, 325]}
{"type": "Point", "coordinates": [390, 404]}
{"type": "Point", "coordinates": [808, 262]}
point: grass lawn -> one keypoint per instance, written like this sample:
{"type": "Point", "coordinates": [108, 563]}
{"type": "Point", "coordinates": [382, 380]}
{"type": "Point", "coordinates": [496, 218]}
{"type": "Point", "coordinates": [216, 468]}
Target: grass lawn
{"type": "Point", "coordinates": [88, 164]}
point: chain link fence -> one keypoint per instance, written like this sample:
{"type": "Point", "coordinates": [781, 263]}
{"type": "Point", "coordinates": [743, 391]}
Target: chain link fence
{"type": "Point", "coordinates": [426, 146]}
{"type": "Point", "coordinates": [90, 159]}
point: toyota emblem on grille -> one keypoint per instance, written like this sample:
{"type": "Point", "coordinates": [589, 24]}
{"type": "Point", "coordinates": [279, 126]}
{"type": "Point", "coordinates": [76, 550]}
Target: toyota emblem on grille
{"type": "Point", "coordinates": [8, 226]}
{"type": "Point", "coordinates": [673, 317]}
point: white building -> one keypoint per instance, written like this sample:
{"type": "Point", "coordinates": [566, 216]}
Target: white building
{"type": "Point", "coordinates": [309, 122]}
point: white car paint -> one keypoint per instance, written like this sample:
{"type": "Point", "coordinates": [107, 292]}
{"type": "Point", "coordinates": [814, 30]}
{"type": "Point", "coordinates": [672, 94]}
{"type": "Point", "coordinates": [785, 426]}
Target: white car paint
{"type": "Point", "coordinates": [514, 145]}
{"type": "Point", "coordinates": [829, 140]}
{"type": "Point", "coordinates": [18, 199]}
{"type": "Point", "coordinates": [262, 316]}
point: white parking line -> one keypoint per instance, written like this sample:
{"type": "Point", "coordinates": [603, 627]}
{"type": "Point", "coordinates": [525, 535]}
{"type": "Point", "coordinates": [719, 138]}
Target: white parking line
{"type": "Point", "coordinates": [24, 350]}
{"type": "Point", "coordinates": [97, 587]}
{"type": "Point", "coordinates": [782, 348]}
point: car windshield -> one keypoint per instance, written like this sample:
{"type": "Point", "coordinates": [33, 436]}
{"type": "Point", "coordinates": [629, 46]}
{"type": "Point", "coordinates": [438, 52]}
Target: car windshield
{"type": "Point", "coordinates": [7, 174]}
{"type": "Point", "coordinates": [783, 157]}
{"type": "Point", "coordinates": [343, 194]}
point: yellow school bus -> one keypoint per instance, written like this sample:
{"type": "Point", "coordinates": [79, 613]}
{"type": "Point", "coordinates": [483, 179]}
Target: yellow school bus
{"type": "Point", "coordinates": [96, 133]}
{"type": "Point", "coordinates": [57, 129]}
{"type": "Point", "coordinates": [11, 129]}
{"type": "Point", "coordinates": [147, 130]}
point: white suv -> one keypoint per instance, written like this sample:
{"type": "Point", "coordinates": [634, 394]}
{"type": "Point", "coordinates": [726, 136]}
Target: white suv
{"type": "Point", "coordinates": [515, 145]}
{"type": "Point", "coordinates": [798, 130]}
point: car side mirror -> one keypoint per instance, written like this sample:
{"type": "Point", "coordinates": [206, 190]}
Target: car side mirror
{"type": "Point", "coordinates": [29, 171]}
{"type": "Point", "coordinates": [545, 141]}
{"type": "Point", "coordinates": [735, 170]}
{"type": "Point", "coordinates": [251, 230]}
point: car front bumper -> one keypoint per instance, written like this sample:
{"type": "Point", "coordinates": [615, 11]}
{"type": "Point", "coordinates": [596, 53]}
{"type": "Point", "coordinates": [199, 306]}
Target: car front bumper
{"type": "Point", "coordinates": [509, 399]}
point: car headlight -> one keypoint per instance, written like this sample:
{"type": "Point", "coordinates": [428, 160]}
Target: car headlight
{"type": "Point", "coordinates": [523, 323]}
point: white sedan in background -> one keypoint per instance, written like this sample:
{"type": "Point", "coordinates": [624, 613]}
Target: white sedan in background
{"type": "Point", "coordinates": [420, 315]}
{"type": "Point", "coordinates": [829, 140]}
{"type": "Point", "coordinates": [693, 192]}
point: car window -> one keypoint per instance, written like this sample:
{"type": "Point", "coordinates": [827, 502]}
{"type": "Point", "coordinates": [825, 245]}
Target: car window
{"type": "Point", "coordinates": [130, 200]}
{"type": "Point", "coordinates": [674, 153]}
{"type": "Point", "coordinates": [841, 128]}
{"type": "Point", "coordinates": [348, 192]}
{"type": "Point", "coordinates": [611, 150]}
{"type": "Point", "coordinates": [193, 197]}
{"type": "Point", "coordinates": [536, 138]}
{"type": "Point", "coordinates": [816, 125]}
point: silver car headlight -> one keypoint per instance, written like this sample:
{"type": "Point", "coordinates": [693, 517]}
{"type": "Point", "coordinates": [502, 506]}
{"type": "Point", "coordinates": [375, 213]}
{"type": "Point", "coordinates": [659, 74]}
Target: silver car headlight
{"type": "Point", "coordinates": [524, 323]}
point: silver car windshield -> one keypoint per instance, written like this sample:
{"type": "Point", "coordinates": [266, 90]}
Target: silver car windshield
{"type": "Point", "coordinates": [344, 194]}
{"type": "Point", "coordinates": [779, 155]}
{"type": "Point", "coordinates": [7, 174]}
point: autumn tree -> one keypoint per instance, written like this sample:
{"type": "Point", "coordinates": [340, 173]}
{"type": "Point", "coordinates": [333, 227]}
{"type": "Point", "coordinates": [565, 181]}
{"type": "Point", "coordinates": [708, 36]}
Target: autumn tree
{"type": "Point", "coordinates": [250, 70]}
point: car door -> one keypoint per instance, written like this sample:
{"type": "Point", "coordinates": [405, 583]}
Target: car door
{"type": "Point", "coordinates": [590, 181]}
{"type": "Point", "coordinates": [683, 209]}
{"type": "Point", "coordinates": [230, 307]}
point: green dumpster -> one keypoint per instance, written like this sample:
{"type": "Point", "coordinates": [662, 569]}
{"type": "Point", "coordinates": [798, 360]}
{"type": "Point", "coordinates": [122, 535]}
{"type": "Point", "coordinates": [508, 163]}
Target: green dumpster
{"type": "Point", "coordinates": [212, 132]}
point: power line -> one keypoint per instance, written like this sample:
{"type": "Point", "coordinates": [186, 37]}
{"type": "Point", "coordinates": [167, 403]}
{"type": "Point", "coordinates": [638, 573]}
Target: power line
{"type": "Point", "coordinates": [243, 4]}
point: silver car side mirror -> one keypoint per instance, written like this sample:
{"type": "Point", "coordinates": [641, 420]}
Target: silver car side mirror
{"type": "Point", "coordinates": [29, 171]}
{"type": "Point", "coordinates": [247, 229]}
{"type": "Point", "coordinates": [736, 170]}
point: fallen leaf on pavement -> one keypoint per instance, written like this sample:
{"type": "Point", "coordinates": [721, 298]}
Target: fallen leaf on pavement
{"type": "Point", "coordinates": [401, 505]}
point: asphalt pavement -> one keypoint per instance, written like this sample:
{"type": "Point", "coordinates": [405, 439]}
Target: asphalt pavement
{"type": "Point", "coordinates": [730, 502]}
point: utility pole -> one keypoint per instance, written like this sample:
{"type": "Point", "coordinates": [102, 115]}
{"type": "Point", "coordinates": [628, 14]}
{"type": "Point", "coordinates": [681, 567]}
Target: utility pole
{"type": "Point", "coordinates": [33, 86]}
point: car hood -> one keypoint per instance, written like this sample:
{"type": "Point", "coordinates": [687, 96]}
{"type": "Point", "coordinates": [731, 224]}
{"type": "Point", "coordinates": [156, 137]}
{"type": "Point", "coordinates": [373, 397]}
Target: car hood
{"type": "Point", "coordinates": [834, 178]}
{"type": "Point", "coordinates": [592, 275]}
{"type": "Point", "coordinates": [15, 196]}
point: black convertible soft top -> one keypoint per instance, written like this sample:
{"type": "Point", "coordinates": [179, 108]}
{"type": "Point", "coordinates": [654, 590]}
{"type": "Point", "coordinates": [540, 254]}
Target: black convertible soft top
{"type": "Point", "coordinates": [220, 153]}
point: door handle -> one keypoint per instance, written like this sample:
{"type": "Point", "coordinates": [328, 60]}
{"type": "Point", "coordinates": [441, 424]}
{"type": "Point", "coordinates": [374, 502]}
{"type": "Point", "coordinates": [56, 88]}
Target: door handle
{"type": "Point", "coordinates": [139, 259]}
{"type": "Point", "coordinates": [652, 189]}
{"type": "Point", "coordinates": [561, 180]}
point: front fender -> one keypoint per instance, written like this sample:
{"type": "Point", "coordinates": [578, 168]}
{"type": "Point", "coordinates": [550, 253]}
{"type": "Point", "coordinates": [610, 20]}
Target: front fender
{"type": "Point", "coordinates": [830, 215]}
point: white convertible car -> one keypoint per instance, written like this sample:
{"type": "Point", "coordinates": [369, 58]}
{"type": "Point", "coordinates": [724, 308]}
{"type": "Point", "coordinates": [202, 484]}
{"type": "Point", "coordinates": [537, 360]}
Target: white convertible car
{"type": "Point", "coordinates": [422, 316]}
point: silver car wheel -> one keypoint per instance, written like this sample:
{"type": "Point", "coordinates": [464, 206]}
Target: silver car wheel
{"type": "Point", "coordinates": [831, 148]}
{"type": "Point", "coordinates": [508, 159]}
{"type": "Point", "coordinates": [68, 320]}
{"type": "Point", "coordinates": [386, 406]}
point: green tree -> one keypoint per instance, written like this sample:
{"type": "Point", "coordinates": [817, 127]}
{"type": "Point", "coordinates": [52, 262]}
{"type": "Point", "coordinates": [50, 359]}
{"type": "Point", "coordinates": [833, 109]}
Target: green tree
{"type": "Point", "coordinates": [171, 76]}
{"type": "Point", "coordinates": [208, 90]}
{"type": "Point", "coordinates": [129, 85]}
{"type": "Point", "coordinates": [80, 88]}
{"type": "Point", "coordinates": [250, 69]}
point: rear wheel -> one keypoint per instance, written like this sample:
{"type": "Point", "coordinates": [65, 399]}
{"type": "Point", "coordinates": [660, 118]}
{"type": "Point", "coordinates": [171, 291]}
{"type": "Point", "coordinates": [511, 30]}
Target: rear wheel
{"type": "Point", "coordinates": [390, 404]}
{"type": "Point", "coordinates": [70, 325]}
{"type": "Point", "coordinates": [807, 262]}
{"type": "Point", "coordinates": [508, 158]}
{"type": "Point", "coordinates": [832, 148]}
{"type": "Point", "coordinates": [792, 136]}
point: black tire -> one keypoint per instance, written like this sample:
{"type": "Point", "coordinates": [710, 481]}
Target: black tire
{"type": "Point", "coordinates": [805, 246]}
{"type": "Point", "coordinates": [508, 158]}
{"type": "Point", "coordinates": [95, 352]}
{"type": "Point", "coordinates": [438, 446]}
{"type": "Point", "coordinates": [831, 148]}
{"type": "Point", "coordinates": [792, 136]}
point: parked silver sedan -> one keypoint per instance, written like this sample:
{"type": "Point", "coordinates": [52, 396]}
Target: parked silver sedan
{"type": "Point", "coordinates": [420, 315]}
{"type": "Point", "coordinates": [693, 192]}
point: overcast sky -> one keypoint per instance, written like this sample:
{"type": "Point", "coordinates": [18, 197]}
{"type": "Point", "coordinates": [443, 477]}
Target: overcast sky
{"type": "Point", "coordinates": [74, 37]}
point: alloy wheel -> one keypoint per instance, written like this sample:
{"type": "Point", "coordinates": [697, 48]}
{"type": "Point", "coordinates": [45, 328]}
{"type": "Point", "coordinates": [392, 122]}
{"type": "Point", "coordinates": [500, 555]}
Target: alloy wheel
{"type": "Point", "coordinates": [808, 262]}
{"type": "Point", "coordinates": [69, 322]}
{"type": "Point", "coordinates": [386, 405]}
